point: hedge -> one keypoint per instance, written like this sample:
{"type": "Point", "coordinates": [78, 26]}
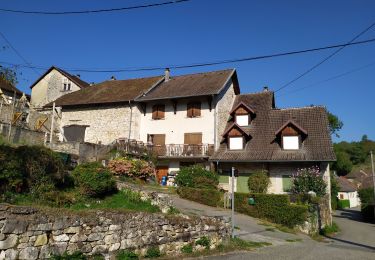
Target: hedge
{"type": "Point", "coordinates": [273, 207]}
{"type": "Point", "coordinates": [342, 204]}
{"type": "Point", "coordinates": [210, 197]}
{"type": "Point", "coordinates": [368, 212]}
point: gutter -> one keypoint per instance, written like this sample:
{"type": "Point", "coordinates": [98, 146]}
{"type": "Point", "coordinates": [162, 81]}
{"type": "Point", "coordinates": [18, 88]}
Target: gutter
{"type": "Point", "coordinates": [275, 161]}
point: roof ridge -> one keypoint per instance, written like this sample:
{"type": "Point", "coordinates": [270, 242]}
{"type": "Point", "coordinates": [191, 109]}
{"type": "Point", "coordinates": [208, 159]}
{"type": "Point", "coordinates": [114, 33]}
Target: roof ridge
{"type": "Point", "coordinates": [296, 108]}
{"type": "Point", "coordinates": [198, 73]}
{"type": "Point", "coordinates": [109, 80]}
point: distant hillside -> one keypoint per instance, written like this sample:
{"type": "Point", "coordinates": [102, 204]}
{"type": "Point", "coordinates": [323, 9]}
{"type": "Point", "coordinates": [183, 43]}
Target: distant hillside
{"type": "Point", "coordinates": [353, 156]}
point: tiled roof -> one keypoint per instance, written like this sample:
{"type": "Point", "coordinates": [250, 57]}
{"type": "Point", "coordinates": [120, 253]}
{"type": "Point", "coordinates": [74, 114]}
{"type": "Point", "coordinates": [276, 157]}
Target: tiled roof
{"type": "Point", "coordinates": [78, 81]}
{"type": "Point", "coordinates": [111, 91]}
{"type": "Point", "coordinates": [199, 84]}
{"type": "Point", "coordinates": [5, 86]}
{"type": "Point", "coordinates": [345, 185]}
{"type": "Point", "coordinates": [264, 144]}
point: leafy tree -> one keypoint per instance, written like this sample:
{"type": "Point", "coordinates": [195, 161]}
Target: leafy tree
{"type": "Point", "coordinates": [334, 191]}
{"type": "Point", "coordinates": [258, 182]}
{"type": "Point", "coordinates": [8, 75]}
{"type": "Point", "coordinates": [335, 124]}
{"type": "Point", "coordinates": [343, 164]}
{"type": "Point", "coordinates": [364, 138]}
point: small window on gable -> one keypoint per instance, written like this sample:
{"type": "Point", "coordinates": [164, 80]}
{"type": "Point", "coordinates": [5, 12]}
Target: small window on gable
{"type": "Point", "coordinates": [194, 109]}
{"type": "Point", "coordinates": [242, 120]}
{"type": "Point", "coordinates": [158, 112]}
{"type": "Point", "coordinates": [66, 85]}
{"type": "Point", "coordinates": [236, 143]}
{"type": "Point", "coordinates": [291, 142]}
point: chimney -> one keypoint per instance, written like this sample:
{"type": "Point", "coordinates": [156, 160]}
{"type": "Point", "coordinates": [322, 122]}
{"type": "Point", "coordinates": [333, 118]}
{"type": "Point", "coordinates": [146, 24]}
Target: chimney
{"type": "Point", "coordinates": [78, 76]}
{"type": "Point", "coordinates": [167, 74]}
{"type": "Point", "coordinates": [265, 89]}
{"type": "Point", "coordinates": [92, 83]}
{"type": "Point", "coordinates": [113, 78]}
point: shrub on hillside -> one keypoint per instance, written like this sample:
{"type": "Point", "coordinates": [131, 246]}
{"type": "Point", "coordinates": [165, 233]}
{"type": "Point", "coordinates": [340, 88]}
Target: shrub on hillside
{"type": "Point", "coordinates": [210, 197]}
{"type": "Point", "coordinates": [197, 177]}
{"type": "Point", "coordinates": [93, 180]}
{"type": "Point", "coordinates": [134, 168]}
{"type": "Point", "coordinates": [308, 179]}
{"type": "Point", "coordinates": [258, 182]}
{"type": "Point", "coordinates": [33, 169]}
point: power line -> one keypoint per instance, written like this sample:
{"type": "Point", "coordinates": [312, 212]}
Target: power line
{"type": "Point", "coordinates": [203, 64]}
{"type": "Point", "coordinates": [18, 53]}
{"type": "Point", "coordinates": [330, 79]}
{"type": "Point", "coordinates": [95, 11]}
{"type": "Point", "coordinates": [324, 60]}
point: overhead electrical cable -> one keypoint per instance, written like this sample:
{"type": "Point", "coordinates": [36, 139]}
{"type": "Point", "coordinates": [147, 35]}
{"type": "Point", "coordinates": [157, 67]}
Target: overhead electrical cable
{"type": "Point", "coordinates": [203, 64]}
{"type": "Point", "coordinates": [95, 11]}
{"type": "Point", "coordinates": [325, 59]}
{"type": "Point", "coordinates": [329, 79]}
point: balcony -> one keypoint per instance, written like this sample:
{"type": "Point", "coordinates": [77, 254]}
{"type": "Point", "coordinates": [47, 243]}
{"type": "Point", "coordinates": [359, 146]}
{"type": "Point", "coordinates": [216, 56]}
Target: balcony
{"type": "Point", "coordinates": [168, 150]}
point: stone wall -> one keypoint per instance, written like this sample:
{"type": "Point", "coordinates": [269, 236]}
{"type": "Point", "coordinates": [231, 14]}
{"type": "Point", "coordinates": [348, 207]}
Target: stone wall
{"type": "Point", "coordinates": [22, 135]}
{"type": "Point", "coordinates": [104, 123]}
{"type": "Point", "coordinates": [28, 233]}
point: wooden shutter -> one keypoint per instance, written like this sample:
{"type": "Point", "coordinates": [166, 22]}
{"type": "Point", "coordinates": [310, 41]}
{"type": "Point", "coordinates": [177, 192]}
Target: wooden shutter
{"type": "Point", "coordinates": [158, 111]}
{"type": "Point", "coordinates": [189, 110]}
{"type": "Point", "coordinates": [158, 139]}
{"type": "Point", "coordinates": [193, 138]}
{"type": "Point", "coordinates": [194, 109]}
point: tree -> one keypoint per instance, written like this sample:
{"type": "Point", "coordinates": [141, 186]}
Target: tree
{"type": "Point", "coordinates": [9, 75]}
{"type": "Point", "coordinates": [343, 165]}
{"type": "Point", "coordinates": [258, 182]}
{"type": "Point", "coordinates": [335, 124]}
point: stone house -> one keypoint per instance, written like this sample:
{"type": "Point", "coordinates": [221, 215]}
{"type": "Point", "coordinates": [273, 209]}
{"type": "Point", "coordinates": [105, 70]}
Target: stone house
{"type": "Point", "coordinates": [53, 84]}
{"type": "Point", "coordinates": [348, 191]}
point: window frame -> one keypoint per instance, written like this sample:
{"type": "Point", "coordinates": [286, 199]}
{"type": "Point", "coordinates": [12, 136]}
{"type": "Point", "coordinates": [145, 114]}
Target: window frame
{"type": "Point", "coordinates": [241, 115]}
{"type": "Point", "coordinates": [291, 149]}
{"type": "Point", "coordinates": [194, 109]}
{"type": "Point", "coordinates": [158, 112]}
{"type": "Point", "coordinates": [229, 143]}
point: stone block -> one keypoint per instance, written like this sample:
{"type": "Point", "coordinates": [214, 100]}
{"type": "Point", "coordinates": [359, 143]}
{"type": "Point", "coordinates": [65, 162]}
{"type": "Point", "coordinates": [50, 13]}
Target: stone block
{"type": "Point", "coordinates": [100, 249]}
{"type": "Point", "coordinates": [9, 242]}
{"type": "Point", "coordinates": [10, 254]}
{"type": "Point", "coordinates": [72, 230]}
{"type": "Point", "coordinates": [114, 247]}
{"type": "Point", "coordinates": [41, 240]}
{"type": "Point", "coordinates": [29, 253]}
{"type": "Point", "coordinates": [95, 237]}
{"type": "Point", "coordinates": [61, 238]}
{"type": "Point", "coordinates": [14, 226]}
{"type": "Point", "coordinates": [80, 237]}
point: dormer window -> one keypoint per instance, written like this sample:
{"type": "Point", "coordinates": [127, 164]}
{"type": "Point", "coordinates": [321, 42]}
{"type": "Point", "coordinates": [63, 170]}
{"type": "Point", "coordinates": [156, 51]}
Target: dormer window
{"type": "Point", "coordinates": [291, 135]}
{"type": "Point", "coordinates": [242, 114]}
{"type": "Point", "coordinates": [236, 137]}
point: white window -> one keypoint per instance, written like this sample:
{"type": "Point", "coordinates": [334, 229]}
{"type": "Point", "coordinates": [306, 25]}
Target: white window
{"type": "Point", "coordinates": [242, 120]}
{"type": "Point", "coordinates": [235, 143]}
{"type": "Point", "coordinates": [291, 142]}
{"type": "Point", "coordinates": [66, 84]}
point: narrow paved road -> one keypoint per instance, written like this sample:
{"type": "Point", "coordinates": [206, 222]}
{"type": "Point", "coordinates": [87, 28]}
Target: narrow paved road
{"type": "Point", "coordinates": [355, 241]}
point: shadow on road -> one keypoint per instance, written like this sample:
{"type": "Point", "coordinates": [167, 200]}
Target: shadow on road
{"type": "Point", "coordinates": [351, 214]}
{"type": "Point", "coordinates": [351, 243]}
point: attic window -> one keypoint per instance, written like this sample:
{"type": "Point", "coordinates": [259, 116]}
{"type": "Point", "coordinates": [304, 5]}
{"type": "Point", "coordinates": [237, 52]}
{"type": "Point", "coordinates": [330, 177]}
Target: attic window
{"type": "Point", "coordinates": [66, 85]}
{"type": "Point", "coordinates": [236, 143]}
{"type": "Point", "coordinates": [158, 112]}
{"type": "Point", "coordinates": [291, 142]}
{"type": "Point", "coordinates": [243, 120]}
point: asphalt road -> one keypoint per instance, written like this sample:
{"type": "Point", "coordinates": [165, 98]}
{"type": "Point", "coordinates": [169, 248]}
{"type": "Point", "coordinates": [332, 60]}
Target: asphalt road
{"type": "Point", "coordinates": [355, 241]}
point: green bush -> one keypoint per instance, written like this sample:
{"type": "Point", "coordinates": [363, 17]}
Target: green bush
{"type": "Point", "coordinates": [187, 249]}
{"type": "Point", "coordinates": [258, 182]}
{"type": "Point", "coordinates": [93, 180]}
{"type": "Point", "coordinates": [67, 256]}
{"type": "Point", "coordinates": [309, 179]}
{"type": "Point", "coordinates": [197, 177]}
{"type": "Point", "coordinates": [153, 252]}
{"type": "Point", "coordinates": [210, 197]}
{"type": "Point", "coordinates": [367, 204]}
{"type": "Point", "coordinates": [131, 167]}
{"type": "Point", "coordinates": [342, 204]}
{"type": "Point", "coordinates": [127, 255]}
{"type": "Point", "coordinates": [204, 241]}
{"type": "Point", "coordinates": [330, 229]}
{"type": "Point", "coordinates": [30, 169]}
{"type": "Point", "coordinates": [273, 207]}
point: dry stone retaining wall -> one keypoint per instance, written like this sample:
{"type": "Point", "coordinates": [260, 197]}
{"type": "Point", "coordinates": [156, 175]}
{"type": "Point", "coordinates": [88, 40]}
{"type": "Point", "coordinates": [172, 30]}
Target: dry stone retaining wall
{"type": "Point", "coordinates": [28, 233]}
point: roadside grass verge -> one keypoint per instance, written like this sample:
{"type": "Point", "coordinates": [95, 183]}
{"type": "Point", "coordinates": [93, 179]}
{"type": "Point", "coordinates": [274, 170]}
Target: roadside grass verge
{"type": "Point", "coordinates": [330, 229]}
{"type": "Point", "coordinates": [293, 240]}
{"type": "Point", "coordinates": [272, 226]}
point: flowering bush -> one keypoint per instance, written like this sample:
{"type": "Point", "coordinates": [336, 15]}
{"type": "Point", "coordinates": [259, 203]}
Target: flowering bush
{"type": "Point", "coordinates": [308, 179]}
{"type": "Point", "coordinates": [133, 168]}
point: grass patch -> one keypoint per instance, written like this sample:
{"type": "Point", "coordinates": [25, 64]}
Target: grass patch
{"type": "Point", "coordinates": [279, 227]}
{"type": "Point", "coordinates": [330, 229]}
{"type": "Point", "coordinates": [236, 227]}
{"type": "Point", "coordinates": [270, 229]}
{"type": "Point", "coordinates": [124, 199]}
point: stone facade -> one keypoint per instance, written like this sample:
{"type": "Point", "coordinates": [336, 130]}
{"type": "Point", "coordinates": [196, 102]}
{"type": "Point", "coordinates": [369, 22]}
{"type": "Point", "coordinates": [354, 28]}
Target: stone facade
{"type": "Point", "coordinates": [49, 88]}
{"type": "Point", "coordinates": [105, 123]}
{"type": "Point", "coordinates": [28, 233]}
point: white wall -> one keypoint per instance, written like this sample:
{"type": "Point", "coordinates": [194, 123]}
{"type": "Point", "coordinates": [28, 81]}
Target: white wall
{"type": "Point", "coordinates": [174, 126]}
{"type": "Point", "coordinates": [351, 196]}
{"type": "Point", "coordinates": [49, 89]}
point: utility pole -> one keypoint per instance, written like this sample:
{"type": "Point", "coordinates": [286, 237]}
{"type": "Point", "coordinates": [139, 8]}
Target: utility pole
{"type": "Point", "coordinates": [373, 174]}
{"type": "Point", "coordinates": [232, 200]}
{"type": "Point", "coordinates": [52, 122]}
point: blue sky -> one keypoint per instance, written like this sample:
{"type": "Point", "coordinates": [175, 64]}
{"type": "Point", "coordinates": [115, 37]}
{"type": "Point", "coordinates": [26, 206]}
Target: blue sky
{"type": "Point", "coordinates": [207, 30]}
